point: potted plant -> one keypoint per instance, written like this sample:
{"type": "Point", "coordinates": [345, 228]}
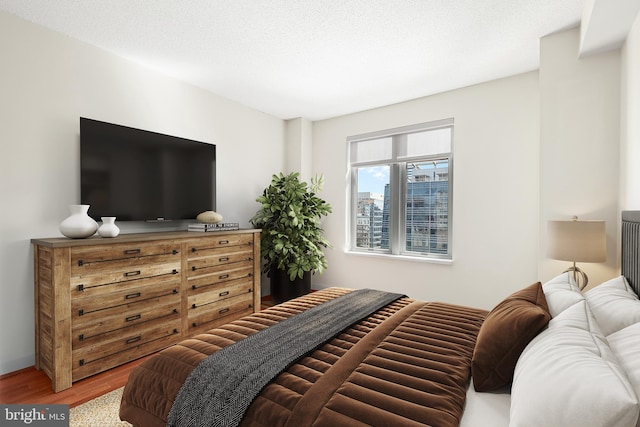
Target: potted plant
{"type": "Point", "coordinates": [292, 240]}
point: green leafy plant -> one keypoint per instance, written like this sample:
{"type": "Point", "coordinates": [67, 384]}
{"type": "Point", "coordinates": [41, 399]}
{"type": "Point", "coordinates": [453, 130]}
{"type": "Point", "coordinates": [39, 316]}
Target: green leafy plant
{"type": "Point", "coordinates": [292, 239]}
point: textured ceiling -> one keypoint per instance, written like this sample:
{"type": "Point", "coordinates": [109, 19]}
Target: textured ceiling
{"type": "Point", "coordinates": [315, 58]}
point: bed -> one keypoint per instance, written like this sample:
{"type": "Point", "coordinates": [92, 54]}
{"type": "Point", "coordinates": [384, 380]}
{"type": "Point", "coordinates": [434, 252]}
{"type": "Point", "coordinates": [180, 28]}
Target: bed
{"type": "Point", "coordinates": [541, 357]}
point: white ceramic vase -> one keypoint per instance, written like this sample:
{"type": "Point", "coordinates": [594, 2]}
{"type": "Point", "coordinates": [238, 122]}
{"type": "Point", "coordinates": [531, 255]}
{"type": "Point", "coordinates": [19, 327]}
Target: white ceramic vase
{"type": "Point", "coordinates": [108, 227]}
{"type": "Point", "coordinates": [78, 225]}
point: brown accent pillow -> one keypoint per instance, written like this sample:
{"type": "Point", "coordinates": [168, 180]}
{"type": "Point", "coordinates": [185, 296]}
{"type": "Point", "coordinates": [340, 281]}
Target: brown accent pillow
{"type": "Point", "coordinates": [506, 331]}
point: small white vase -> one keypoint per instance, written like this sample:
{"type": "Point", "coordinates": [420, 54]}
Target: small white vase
{"type": "Point", "coordinates": [108, 227]}
{"type": "Point", "coordinates": [78, 225]}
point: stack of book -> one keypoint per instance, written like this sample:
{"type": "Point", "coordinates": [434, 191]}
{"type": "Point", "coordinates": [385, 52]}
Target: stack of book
{"type": "Point", "coordinates": [220, 226]}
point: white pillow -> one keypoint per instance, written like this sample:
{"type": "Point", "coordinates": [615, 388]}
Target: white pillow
{"type": "Point", "coordinates": [564, 281]}
{"type": "Point", "coordinates": [626, 346]}
{"type": "Point", "coordinates": [561, 292]}
{"type": "Point", "coordinates": [614, 305]}
{"type": "Point", "coordinates": [568, 376]}
{"type": "Point", "coordinates": [620, 283]}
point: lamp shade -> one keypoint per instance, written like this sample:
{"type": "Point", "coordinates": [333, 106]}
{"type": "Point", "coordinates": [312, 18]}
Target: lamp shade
{"type": "Point", "coordinates": [577, 241]}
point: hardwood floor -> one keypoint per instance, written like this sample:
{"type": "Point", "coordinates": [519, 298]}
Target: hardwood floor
{"type": "Point", "coordinates": [32, 386]}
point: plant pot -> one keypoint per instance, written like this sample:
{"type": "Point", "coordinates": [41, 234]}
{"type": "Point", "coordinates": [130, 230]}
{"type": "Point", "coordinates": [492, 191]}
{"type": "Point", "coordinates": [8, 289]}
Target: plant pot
{"type": "Point", "coordinates": [283, 289]}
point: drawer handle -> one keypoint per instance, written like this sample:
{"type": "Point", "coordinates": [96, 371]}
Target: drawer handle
{"type": "Point", "coordinates": [132, 318]}
{"type": "Point", "coordinates": [194, 306]}
{"type": "Point", "coordinates": [134, 339]}
{"type": "Point", "coordinates": [132, 273]}
{"type": "Point", "coordinates": [224, 310]}
{"type": "Point", "coordinates": [174, 271]}
{"type": "Point", "coordinates": [223, 259]}
{"type": "Point", "coordinates": [223, 276]}
{"type": "Point", "coordinates": [131, 251]}
{"type": "Point", "coordinates": [224, 294]}
{"type": "Point", "coordinates": [223, 242]}
{"type": "Point", "coordinates": [131, 296]}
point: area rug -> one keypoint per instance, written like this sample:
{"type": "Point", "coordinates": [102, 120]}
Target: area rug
{"type": "Point", "coordinates": [99, 412]}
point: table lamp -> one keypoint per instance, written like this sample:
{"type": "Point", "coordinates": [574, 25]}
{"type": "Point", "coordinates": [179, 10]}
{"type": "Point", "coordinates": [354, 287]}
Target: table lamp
{"type": "Point", "coordinates": [577, 241]}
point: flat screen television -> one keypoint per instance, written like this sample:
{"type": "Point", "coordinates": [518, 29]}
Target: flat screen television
{"type": "Point", "coordinates": [137, 175]}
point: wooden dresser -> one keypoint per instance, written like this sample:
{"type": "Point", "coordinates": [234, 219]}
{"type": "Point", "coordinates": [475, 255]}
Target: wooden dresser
{"type": "Point", "coordinates": [102, 302]}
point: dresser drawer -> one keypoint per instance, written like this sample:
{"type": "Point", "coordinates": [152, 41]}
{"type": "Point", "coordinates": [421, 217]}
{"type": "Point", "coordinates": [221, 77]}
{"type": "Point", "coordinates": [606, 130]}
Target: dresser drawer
{"type": "Point", "coordinates": [101, 258]}
{"type": "Point", "coordinates": [99, 298]}
{"type": "Point", "coordinates": [220, 257]}
{"type": "Point", "coordinates": [207, 245]}
{"type": "Point", "coordinates": [122, 316]}
{"type": "Point", "coordinates": [202, 316]}
{"type": "Point", "coordinates": [125, 274]}
{"type": "Point", "coordinates": [220, 275]}
{"type": "Point", "coordinates": [220, 292]}
{"type": "Point", "coordinates": [130, 345]}
{"type": "Point", "coordinates": [128, 335]}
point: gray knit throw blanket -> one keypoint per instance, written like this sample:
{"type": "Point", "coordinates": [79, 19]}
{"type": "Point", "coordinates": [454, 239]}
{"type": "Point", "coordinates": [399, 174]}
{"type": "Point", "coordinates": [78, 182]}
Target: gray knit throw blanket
{"type": "Point", "coordinates": [219, 390]}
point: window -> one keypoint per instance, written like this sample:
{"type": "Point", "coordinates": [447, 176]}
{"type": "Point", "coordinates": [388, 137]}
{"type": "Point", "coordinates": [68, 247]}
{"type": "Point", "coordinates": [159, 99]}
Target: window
{"type": "Point", "coordinates": [400, 189]}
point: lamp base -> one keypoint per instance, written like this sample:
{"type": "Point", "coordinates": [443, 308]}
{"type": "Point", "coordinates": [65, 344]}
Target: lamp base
{"type": "Point", "coordinates": [579, 276]}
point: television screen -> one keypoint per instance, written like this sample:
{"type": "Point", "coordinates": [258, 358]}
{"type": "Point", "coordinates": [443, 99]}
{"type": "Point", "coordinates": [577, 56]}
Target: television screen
{"type": "Point", "coordinates": [137, 175]}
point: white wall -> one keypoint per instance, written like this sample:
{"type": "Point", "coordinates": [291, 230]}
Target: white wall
{"type": "Point", "coordinates": [580, 134]}
{"type": "Point", "coordinates": [630, 122]}
{"type": "Point", "coordinates": [48, 81]}
{"type": "Point", "coordinates": [495, 194]}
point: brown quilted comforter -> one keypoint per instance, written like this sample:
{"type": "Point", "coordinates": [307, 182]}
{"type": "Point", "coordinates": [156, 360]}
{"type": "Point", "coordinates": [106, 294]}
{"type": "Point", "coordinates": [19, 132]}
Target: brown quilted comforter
{"type": "Point", "coordinates": [407, 364]}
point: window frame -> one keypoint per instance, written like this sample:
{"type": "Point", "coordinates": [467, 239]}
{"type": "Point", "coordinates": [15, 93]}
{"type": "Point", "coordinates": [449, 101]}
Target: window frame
{"type": "Point", "coordinates": [398, 177]}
